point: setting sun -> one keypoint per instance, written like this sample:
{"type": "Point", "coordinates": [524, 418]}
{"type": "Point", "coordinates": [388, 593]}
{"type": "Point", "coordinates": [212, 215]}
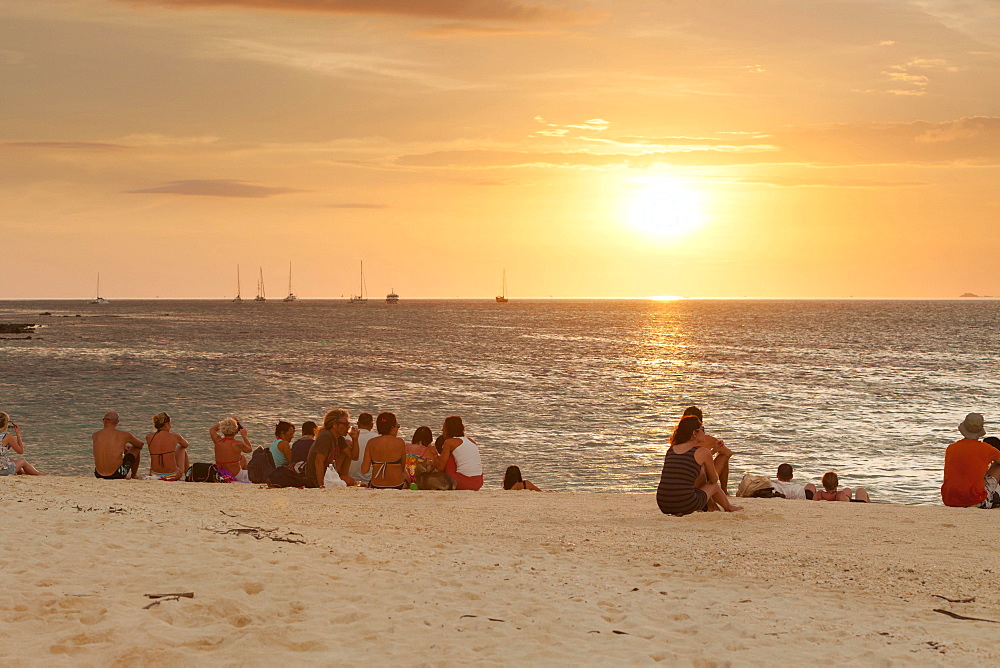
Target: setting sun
{"type": "Point", "coordinates": [665, 207]}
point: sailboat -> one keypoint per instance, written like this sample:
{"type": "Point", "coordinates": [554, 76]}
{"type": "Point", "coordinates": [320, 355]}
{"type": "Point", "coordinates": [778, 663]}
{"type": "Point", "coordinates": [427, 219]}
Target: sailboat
{"type": "Point", "coordinates": [238, 299]}
{"type": "Point", "coordinates": [392, 297]}
{"type": "Point", "coordinates": [99, 299]}
{"type": "Point", "coordinates": [260, 288]}
{"type": "Point", "coordinates": [502, 297]}
{"type": "Point", "coordinates": [291, 296]}
{"type": "Point", "coordinates": [363, 297]}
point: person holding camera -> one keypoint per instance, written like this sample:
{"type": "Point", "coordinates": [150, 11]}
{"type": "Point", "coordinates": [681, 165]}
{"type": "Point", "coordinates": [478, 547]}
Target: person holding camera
{"type": "Point", "coordinates": [13, 465]}
{"type": "Point", "coordinates": [230, 457]}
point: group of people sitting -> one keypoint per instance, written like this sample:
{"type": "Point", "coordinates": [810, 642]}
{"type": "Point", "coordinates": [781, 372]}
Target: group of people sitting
{"type": "Point", "coordinates": [695, 474]}
{"type": "Point", "coordinates": [785, 488]}
{"type": "Point", "coordinates": [337, 453]}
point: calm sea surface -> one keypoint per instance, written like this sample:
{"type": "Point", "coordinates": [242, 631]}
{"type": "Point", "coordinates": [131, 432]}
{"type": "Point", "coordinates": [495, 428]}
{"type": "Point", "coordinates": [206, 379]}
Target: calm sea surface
{"type": "Point", "coordinates": [581, 394]}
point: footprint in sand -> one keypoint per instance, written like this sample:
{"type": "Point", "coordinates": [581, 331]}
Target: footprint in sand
{"type": "Point", "coordinates": [253, 587]}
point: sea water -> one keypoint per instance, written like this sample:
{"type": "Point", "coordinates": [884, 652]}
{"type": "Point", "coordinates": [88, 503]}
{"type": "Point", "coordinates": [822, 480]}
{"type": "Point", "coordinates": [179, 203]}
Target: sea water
{"type": "Point", "coordinates": [582, 395]}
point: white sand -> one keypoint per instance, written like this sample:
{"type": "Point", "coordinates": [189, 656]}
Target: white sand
{"type": "Point", "coordinates": [415, 578]}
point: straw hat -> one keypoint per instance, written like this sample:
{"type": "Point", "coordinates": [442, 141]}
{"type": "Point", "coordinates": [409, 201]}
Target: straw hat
{"type": "Point", "coordinates": [972, 426]}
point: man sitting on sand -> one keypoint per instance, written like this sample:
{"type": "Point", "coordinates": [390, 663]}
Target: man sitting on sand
{"type": "Point", "coordinates": [966, 462]}
{"type": "Point", "coordinates": [790, 490]}
{"type": "Point", "coordinates": [116, 452]}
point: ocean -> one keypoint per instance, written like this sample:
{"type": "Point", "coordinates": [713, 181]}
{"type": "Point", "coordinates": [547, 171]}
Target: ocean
{"type": "Point", "coordinates": [582, 395]}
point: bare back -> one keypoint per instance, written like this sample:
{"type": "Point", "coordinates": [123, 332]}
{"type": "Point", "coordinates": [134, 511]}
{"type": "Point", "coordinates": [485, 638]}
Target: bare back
{"type": "Point", "coordinates": [110, 445]}
{"type": "Point", "coordinates": [385, 455]}
{"type": "Point", "coordinates": [162, 448]}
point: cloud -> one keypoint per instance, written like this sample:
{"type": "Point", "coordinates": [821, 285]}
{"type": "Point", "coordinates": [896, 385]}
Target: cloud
{"type": "Point", "coordinates": [476, 30]}
{"type": "Point", "coordinates": [356, 205]}
{"type": "Point", "coordinates": [216, 188]}
{"type": "Point", "coordinates": [68, 145]}
{"type": "Point", "coordinates": [488, 10]}
{"type": "Point", "coordinates": [913, 77]}
{"type": "Point", "coordinates": [968, 141]}
{"type": "Point", "coordinates": [347, 65]}
{"type": "Point", "coordinates": [557, 130]}
{"type": "Point", "coordinates": [803, 182]}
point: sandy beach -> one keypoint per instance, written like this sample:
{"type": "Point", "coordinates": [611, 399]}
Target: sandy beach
{"type": "Point", "coordinates": [438, 578]}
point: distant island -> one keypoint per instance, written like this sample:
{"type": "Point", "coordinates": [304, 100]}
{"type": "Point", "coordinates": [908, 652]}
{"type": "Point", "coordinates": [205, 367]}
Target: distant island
{"type": "Point", "coordinates": [971, 295]}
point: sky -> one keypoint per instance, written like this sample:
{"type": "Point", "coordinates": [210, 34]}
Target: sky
{"type": "Point", "coordinates": [698, 148]}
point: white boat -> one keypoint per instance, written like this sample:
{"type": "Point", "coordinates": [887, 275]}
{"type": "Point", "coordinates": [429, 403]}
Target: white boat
{"type": "Point", "coordinates": [260, 288]}
{"type": "Point", "coordinates": [363, 297]}
{"type": "Point", "coordinates": [99, 299]}
{"type": "Point", "coordinates": [502, 297]}
{"type": "Point", "coordinates": [291, 296]}
{"type": "Point", "coordinates": [237, 299]}
{"type": "Point", "coordinates": [392, 297]}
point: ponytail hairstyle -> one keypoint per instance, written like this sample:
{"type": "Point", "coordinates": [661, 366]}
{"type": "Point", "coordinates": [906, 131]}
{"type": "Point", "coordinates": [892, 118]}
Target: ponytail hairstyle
{"type": "Point", "coordinates": [160, 420]}
{"type": "Point", "coordinates": [385, 422]}
{"type": "Point", "coordinates": [685, 430]}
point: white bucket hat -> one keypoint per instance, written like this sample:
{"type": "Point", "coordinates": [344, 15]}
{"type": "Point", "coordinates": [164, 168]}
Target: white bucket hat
{"type": "Point", "coordinates": [972, 426]}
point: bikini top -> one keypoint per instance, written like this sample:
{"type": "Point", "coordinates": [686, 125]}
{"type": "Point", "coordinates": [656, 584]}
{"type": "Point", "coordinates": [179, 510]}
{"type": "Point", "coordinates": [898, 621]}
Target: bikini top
{"type": "Point", "coordinates": [381, 466]}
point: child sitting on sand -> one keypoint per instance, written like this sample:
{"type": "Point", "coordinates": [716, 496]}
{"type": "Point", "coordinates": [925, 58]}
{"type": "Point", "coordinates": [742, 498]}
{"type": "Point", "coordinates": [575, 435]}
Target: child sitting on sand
{"type": "Point", "coordinates": [831, 493]}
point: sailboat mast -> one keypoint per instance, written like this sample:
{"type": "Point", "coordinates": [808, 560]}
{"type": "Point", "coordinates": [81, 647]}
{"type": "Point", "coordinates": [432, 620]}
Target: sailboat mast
{"type": "Point", "coordinates": [289, 277]}
{"type": "Point", "coordinates": [237, 281]}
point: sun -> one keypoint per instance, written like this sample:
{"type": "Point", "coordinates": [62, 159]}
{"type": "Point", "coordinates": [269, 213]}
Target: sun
{"type": "Point", "coordinates": [665, 207]}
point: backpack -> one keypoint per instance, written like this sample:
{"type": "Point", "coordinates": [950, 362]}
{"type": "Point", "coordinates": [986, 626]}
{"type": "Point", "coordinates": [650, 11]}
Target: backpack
{"type": "Point", "coordinates": [754, 486]}
{"type": "Point", "coordinates": [261, 465]}
{"type": "Point", "coordinates": [286, 477]}
{"type": "Point", "coordinates": [202, 472]}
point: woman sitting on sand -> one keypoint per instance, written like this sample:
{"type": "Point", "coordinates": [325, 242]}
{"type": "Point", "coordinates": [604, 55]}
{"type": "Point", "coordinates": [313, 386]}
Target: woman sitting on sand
{"type": "Point", "coordinates": [229, 453]}
{"type": "Point", "coordinates": [168, 457]}
{"type": "Point", "coordinates": [459, 456]}
{"type": "Point", "coordinates": [420, 449]}
{"type": "Point", "coordinates": [512, 480]}
{"type": "Point", "coordinates": [689, 454]}
{"type": "Point", "coordinates": [281, 447]}
{"type": "Point", "coordinates": [385, 455]}
{"type": "Point", "coordinates": [13, 465]}
{"type": "Point", "coordinates": [831, 493]}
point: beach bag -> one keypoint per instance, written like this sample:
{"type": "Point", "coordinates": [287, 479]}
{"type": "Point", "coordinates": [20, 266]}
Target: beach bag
{"type": "Point", "coordinates": [261, 465]}
{"type": "Point", "coordinates": [332, 478]}
{"type": "Point", "coordinates": [754, 486]}
{"type": "Point", "coordinates": [286, 477]}
{"type": "Point", "coordinates": [202, 472]}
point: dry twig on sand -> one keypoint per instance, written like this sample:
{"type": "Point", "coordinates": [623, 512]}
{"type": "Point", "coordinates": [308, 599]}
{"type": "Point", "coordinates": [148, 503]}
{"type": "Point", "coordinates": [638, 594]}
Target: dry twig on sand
{"type": "Point", "coordinates": [971, 599]}
{"type": "Point", "coordinates": [958, 616]}
{"type": "Point", "coordinates": [160, 598]}
{"type": "Point", "coordinates": [261, 533]}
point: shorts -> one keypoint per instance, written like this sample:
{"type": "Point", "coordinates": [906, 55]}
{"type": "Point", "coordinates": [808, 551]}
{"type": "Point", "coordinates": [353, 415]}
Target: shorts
{"type": "Point", "coordinates": [992, 499]}
{"type": "Point", "coordinates": [127, 461]}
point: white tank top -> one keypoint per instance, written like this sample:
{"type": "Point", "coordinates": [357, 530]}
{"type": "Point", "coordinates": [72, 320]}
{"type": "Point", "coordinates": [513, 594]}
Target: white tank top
{"type": "Point", "coordinates": [467, 461]}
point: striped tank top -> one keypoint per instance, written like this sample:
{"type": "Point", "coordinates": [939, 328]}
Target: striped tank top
{"type": "Point", "coordinates": [676, 494]}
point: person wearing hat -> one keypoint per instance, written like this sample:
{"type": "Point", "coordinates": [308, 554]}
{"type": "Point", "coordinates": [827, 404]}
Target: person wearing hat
{"type": "Point", "coordinates": [116, 452]}
{"type": "Point", "coordinates": [965, 464]}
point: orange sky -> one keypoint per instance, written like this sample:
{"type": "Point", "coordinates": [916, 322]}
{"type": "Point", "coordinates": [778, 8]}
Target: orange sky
{"type": "Point", "coordinates": [774, 148]}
